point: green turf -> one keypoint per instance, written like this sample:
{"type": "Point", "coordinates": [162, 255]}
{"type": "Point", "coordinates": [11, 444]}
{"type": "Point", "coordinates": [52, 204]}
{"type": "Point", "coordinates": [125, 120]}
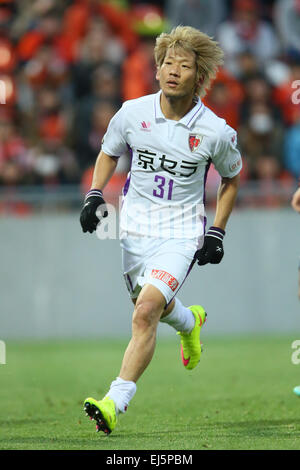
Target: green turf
{"type": "Point", "coordinates": [239, 397]}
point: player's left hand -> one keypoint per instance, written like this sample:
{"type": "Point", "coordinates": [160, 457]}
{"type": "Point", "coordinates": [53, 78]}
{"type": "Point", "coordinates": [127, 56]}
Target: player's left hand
{"type": "Point", "coordinates": [212, 250]}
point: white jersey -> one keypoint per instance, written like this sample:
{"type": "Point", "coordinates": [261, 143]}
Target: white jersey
{"type": "Point", "coordinates": [164, 194]}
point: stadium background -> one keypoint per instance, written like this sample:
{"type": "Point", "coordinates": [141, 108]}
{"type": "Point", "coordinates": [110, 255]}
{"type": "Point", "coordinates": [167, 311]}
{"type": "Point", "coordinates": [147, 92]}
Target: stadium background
{"type": "Point", "coordinates": [67, 67]}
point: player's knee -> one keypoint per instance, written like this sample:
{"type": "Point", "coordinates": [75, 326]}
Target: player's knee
{"type": "Point", "coordinates": [145, 315]}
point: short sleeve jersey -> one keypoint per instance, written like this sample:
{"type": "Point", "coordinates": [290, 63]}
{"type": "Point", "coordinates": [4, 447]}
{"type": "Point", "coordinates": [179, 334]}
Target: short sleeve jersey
{"type": "Point", "coordinates": [164, 194]}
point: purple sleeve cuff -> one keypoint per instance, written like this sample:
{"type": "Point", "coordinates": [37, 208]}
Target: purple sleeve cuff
{"type": "Point", "coordinates": [93, 192]}
{"type": "Point", "coordinates": [216, 232]}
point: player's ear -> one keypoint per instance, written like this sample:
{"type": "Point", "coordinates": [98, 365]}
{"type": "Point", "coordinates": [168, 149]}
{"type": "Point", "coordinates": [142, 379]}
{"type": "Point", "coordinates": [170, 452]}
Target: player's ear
{"type": "Point", "coordinates": [157, 75]}
{"type": "Point", "coordinates": [200, 80]}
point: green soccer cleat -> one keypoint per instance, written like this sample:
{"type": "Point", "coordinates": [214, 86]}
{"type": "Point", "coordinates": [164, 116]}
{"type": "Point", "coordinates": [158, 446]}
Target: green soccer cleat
{"type": "Point", "coordinates": [191, 347]}
{"type": "Point", "coordinates": [103, 412]}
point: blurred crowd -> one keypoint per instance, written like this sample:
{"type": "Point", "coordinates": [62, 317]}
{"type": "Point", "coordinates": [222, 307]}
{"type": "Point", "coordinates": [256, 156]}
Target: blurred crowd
{"type": "Point", "coordinates": [67, 66]}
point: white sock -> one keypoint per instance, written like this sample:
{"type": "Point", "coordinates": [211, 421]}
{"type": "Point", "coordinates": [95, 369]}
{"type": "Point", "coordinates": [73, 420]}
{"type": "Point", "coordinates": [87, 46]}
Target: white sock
{"type": "Point", "coordinates": [121, 392]}
{"type": "Point", "coordinates": [181, 318]}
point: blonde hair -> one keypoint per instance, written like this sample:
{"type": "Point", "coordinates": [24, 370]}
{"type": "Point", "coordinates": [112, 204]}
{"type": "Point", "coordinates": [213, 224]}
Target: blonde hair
{"type": "Point", "coordinates": [209, 55]}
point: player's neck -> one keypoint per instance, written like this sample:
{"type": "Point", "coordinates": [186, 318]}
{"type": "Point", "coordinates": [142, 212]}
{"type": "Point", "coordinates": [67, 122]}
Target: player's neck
{"type": "Point", "coordinates": [176, 108]}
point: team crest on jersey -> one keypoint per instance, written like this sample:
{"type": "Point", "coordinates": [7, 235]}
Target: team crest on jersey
{"type": "Point", "coordinates": [194, 141]}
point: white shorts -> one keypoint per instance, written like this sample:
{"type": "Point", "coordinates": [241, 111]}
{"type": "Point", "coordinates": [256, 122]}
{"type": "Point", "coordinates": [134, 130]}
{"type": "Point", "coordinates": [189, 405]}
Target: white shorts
{"type": "Point", "coordinates": [164, 263]}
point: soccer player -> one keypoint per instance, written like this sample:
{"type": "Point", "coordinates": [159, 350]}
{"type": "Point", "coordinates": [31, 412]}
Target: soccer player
{"type": "Point", "coordinates": [172, 139]}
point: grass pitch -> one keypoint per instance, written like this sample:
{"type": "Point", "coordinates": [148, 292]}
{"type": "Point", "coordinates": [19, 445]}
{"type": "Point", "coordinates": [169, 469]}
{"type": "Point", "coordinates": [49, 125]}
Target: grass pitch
{"type": "Point", "coordinates": [239, 396]}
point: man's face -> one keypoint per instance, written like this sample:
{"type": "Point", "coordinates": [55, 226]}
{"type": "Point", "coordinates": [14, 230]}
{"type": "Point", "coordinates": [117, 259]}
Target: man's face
{"type": "Point", "coordinates": [177, 74]}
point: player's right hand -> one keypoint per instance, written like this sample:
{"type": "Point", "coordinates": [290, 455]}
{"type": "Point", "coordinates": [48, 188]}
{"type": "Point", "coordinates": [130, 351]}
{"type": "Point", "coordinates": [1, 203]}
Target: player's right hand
{"type": "Point", "coordinates": [88, 218]}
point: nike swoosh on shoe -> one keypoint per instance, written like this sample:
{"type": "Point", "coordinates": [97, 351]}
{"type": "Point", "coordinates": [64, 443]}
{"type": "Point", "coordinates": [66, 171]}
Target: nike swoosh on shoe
{"type": "Point", "coordinates": [185, 361]}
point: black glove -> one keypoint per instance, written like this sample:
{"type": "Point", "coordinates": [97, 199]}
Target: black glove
{"type": "Point", "coordinates": [212, 249]}
{"type": "Point", "coordinates": [88, 218]}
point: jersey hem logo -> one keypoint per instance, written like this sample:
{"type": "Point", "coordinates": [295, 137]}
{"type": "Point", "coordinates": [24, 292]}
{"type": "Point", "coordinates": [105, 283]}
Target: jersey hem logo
{"type": "Point", "coordinates": [194, 141]}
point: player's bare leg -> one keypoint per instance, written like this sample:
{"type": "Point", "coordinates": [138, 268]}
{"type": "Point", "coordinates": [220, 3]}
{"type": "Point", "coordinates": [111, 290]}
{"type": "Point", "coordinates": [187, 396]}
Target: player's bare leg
{"type": "Point", "coordinates": [149, 307]}
{"type": "Point", "coordinates": [148, 311]}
